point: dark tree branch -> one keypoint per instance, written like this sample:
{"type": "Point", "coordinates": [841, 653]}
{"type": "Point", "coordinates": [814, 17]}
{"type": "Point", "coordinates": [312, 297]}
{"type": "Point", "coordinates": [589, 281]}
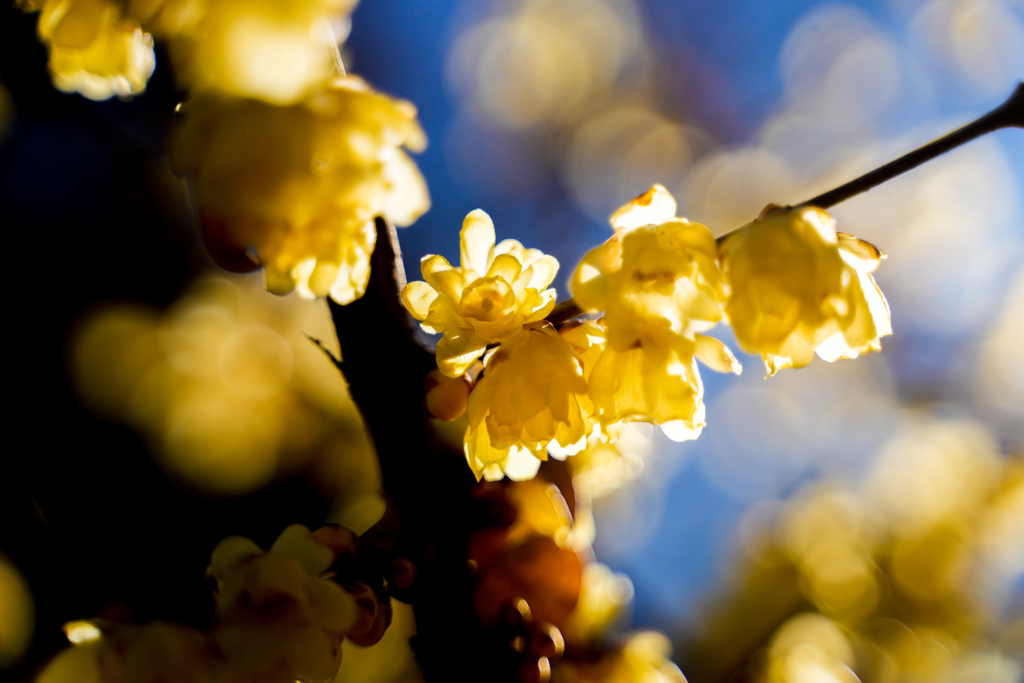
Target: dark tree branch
{"type": "Point", "coordinates": [431, 512]}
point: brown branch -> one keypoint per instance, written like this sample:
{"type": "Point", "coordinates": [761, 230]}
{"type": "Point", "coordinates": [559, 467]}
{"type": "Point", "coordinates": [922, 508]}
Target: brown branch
{"type": "Point", "coordinates": [564, 311]}
{"type": "Point", "coordinates": [431, 512]}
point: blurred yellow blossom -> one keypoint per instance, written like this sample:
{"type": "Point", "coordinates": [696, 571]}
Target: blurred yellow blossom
{"type": "Point", "coordinates": [644, 656]}
{"type": "Point", "coordinates": [531, 393]}
{"type": "Point", "coordinates": [225, 385]}
{"type": "Point", "coordinates": [810, 647]}
{"type": "Point", "coordinates": [295, 189]}
{"type": "Point", "coordinates": [486, 300]}
{"type": "Point", "coordinates": [657, 277]}
{"type": "Point", "coordinates": [796, 287]}
{"type": "Point", "coordinates": [911, 574]}
{"type": "Point", "coordinates": [276, 615]}
{"type": "Point", "coordinates": [533, 62]}
{"type": "Point", "coordinates": [17, 618]}
{"type": "Point", "coordinates": [95, 48]}
{"type": "Point", "coordinates": [160, 652]}
{"type": "Point", "coordinates": [265, 49]}
{"type": "Point", "coordinates": [604, 600]}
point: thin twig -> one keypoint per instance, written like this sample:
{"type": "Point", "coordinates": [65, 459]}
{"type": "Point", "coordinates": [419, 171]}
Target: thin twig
{"type": "Point", "coordinates": [1009, 114]}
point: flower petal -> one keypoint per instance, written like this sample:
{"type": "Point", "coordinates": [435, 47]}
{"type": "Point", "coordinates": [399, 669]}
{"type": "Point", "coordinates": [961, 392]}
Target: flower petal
{"type": "Point", "coordinates": [716, 355]}
{"type": "Point", "coordinates": [440, 275]}
{"type": "Point", "coordinates": [476, 243]}
{"type": "Point", "coordinates": [655, 206]}
{"type": "Point", "coordinates": [541, 272]}
{"type": "Point", "coordinates": [417, 297]}
{"type": "Point", "coordinates": [458, 350]}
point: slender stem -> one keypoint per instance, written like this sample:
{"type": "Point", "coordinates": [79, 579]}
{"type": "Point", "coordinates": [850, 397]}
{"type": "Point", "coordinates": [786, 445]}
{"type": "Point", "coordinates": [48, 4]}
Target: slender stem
{"type": "Point", "coordinates": [339, 63]}
{"type": "Point", "coordinates": [1009, 114]}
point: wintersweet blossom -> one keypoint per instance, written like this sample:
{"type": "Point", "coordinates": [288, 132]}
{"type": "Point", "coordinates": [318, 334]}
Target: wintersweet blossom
{"type": "Point", "coordinates": [532, 393]}
{"type": "Point", "coordinates": [657, 277]}
{"type": "Point", "coordinates": [495, 291]}
{"type": "Point", "coordinates": [657, 383]}
{"type": "Point", "coordinates": [266, 49]}
{"type": "Point", "coordinates": [295, 189]}
{"type": "Point", "coordinates": [797, 287]}
{"type": "Point", "coordinates": [95, 47]}
{"type": "Point", "coordinates": [658, 281]}
{"type": "Point", "coordinates": [277, 617]}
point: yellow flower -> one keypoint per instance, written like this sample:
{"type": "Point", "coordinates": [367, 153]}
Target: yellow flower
{"type": "Point", "coordinates": [95, 48]}
{"type": "Point", "coordinates": [295, 189]}
{"type": "Point", "coordinates": [494, 292]}
{"type": "Point", "coordinates": [657, 277]}
{"type": "Point", "coordinates": [654, 379]}
{"type": "Point", "coordinates": [657, 383]}
{"type": "Point", "coordinates": [276, 615]}
{"type": "Point", "coordinates": [531, 393]}
{"type": "Point", "coordinates": [266, 49]}
{"type": "Point", "coordinates": [796, 287]}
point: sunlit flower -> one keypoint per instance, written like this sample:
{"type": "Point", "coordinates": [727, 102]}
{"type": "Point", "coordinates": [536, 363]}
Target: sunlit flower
{"type": "Point", "coordinates": [657, 277]}
{"type": "Point", "coordinates": [494, 292]}
{"type": "Point", "coordinates": [266, 49]}
{"type": "Point", "coordinates": [294, 189]}
{"type": "Point", "coordinates": [797, 287]}
{"type": "Point", "coordinates": [275, 612]}
{"type": "Point", "coordinates": [95, 48]}
{"type": "Point", "coordinates": [657, 383]}
{"type": "Point", "coordinates": [532, 392]}
{"type": "Point", "coordinates": [648, 382]}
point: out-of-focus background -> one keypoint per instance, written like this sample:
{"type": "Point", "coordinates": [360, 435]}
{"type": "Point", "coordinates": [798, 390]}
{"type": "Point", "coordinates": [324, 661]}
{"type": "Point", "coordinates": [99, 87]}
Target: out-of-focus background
{"type": "Point", "coordinates": [883, 496]}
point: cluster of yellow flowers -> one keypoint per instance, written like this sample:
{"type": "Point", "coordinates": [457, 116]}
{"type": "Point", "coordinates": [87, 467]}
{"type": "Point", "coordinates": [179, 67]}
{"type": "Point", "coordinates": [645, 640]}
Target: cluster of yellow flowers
{"type": "Point", "coordinates": [290, 160]}
{"type": "Point", "coordinates": [251, 48]}
{"type": "Point", "coordinates": [278, 620]}
{"type": "Point", "coordinates": [787, 283]}
{"type": "Point", "coordinates": [295, 188]}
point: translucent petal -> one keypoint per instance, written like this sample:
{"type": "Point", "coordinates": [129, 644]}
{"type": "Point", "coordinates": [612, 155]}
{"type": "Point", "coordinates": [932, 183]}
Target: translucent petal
{"type": "Point", "coordinates": [655, 206]}
{"type": "Point", "coordinates": [413, 200]}
{"type": "Point", "coordinates": [541, 272]}
{"type": "Point", "coordinates": [417, 297]}
{"type": "Point", "coordinates": [440, 275]}
{"type": "Point", "coordinates": [456, 351]}
{"type": "Point", "coordinates": [521, 465]}
{"type": "Point", "coordinates": [859, 253]}
{"type": "Point", "coordinates": [476, 243]}
{"type": "Point", "coordinates": [716, 355]}
{"type": "Point", "coordinates": [505, 266]}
